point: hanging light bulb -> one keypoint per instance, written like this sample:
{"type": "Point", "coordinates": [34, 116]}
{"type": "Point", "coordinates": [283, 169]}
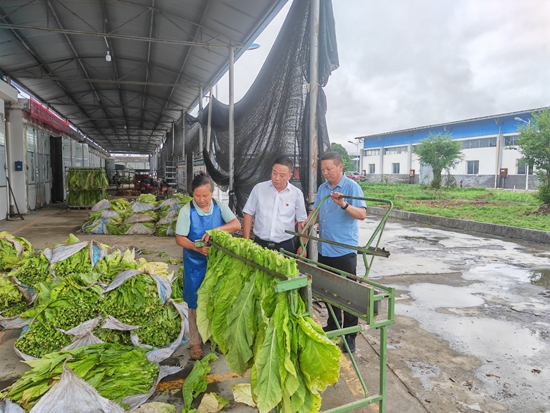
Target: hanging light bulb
{"type": "Point", "coordinates": [108, 56]}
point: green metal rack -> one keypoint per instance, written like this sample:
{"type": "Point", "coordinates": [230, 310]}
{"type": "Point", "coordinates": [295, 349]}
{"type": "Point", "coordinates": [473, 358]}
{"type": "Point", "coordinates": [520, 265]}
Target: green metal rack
{"type": "Point", "coordinates": [369, 301]}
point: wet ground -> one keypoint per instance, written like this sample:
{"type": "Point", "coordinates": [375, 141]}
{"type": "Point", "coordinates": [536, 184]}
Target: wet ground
{"type": "Point", "coordinates": [472, 328]}
{"type": "Point", "coordinates": [472, 331]}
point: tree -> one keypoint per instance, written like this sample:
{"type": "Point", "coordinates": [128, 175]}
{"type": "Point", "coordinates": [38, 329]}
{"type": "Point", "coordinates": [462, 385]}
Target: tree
{"type": "Point", "coordinates": [336, 147]}
{"type": "Point", "coordinates": [534, 145]}
{"type": "Point", "coordinates": [440, 152]}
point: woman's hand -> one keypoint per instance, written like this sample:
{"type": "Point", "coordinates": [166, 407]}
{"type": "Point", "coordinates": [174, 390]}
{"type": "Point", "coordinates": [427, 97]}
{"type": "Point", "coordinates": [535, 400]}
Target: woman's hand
{"type": "Point", "coordinates": [203, 250]}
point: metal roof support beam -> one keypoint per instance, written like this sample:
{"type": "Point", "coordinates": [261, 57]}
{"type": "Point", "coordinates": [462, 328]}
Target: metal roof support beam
{"type": "Point", "coordinates": [231, 118]}
{"type": "Point", "coordinates": [209, 126]}
{"type": "Point", "coordinates": [201, 143]}
{"type": "Point", "coordinates": [106, 81]}
{"type": "Point", "coordinates": [218, 45]}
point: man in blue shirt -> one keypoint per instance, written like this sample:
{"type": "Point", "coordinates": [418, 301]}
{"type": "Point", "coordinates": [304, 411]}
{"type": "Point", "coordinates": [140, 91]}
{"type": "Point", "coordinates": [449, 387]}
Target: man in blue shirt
{"type": "Point", "coordinates": [338, 221]}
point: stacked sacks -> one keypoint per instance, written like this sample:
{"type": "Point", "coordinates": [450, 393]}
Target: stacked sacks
{"type": "Point", "coordinates": [143, 217]}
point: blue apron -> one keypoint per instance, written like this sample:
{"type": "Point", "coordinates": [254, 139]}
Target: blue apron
{"type": "Point", "coordinates": [194, 264]}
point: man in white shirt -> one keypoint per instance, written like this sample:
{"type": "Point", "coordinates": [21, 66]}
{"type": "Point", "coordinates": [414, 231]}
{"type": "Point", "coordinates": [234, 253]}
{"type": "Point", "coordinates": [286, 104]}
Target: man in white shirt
{"type": "Point", "coordinates": [277, 206]}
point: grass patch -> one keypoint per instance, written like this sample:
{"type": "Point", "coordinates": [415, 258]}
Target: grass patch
{"type": "Point", "coordinates": [516, 209]}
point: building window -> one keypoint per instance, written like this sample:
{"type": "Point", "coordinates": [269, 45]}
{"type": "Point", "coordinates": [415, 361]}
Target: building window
{"type": "Point", "coordinates": [479, 143]}
{"type": "Point", "coordinates": [473, 167]}
{"type": "Point", "coordinates": [395, 150]}
{"type": "Point", "coordinates": [372, 168]}
{"type": "Point", "coordinates": [371, 152]}
{"type": "Point", "coordinates": [521, 167]}
{"type": "Point", "coordinates": [395, 168]}
{"type": "Point", "coordinates": [510, 140]}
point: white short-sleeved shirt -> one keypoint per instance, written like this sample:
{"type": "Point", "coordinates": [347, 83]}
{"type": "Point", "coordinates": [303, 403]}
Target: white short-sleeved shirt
{"type": "Point", "coordinates": [275, 212]}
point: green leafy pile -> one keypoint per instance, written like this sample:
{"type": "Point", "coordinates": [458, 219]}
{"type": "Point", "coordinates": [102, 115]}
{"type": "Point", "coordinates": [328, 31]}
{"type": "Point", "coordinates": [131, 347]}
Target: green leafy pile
{"type": "Point", "coordinates": [12, 301]}
{"type": "Point", "coordinates": [122, 207]}
{"type": "Point", "coordinates": [33, 269]}
{"type": "Point", "coordinates": [9, 255]}
{"type": "Point", "coordinates": [115, 371]}
{"type": "Point", "coordinates": [118, 225]}
{"type": "Point", "coordinates": [136, 301]}
{"type": "Point", "coordinates": [113, 264]}
{"type": "Point", "coordinates": [162, 329]}
{"type": "Point", "coordinates": [63, 304]}
{"type": "Point", "coordinates": [148, 199]}
{"type": "Point", "coordinates": [290, 357]}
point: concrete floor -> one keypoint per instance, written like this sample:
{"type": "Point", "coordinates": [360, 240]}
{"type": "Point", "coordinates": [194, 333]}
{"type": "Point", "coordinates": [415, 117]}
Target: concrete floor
{"type": "Point", "coordinates": [472, 330]}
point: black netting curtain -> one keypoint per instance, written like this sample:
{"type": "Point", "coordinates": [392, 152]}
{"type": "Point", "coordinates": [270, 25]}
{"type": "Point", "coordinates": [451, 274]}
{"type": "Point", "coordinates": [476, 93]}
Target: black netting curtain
{"type": "Point", "coordinates": [272, 118]}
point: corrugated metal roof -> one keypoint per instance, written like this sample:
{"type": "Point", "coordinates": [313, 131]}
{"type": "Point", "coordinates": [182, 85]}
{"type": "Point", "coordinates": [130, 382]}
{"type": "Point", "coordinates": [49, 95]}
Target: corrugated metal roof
{"type": "Point", "coordinates": [442, 125]}
{"type": "Point", "coordinates": [161, 52]}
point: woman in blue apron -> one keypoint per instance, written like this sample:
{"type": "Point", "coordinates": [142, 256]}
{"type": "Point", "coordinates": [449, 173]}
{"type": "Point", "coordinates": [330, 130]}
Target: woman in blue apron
{"type": "Point", "coordinates": [201, 214]}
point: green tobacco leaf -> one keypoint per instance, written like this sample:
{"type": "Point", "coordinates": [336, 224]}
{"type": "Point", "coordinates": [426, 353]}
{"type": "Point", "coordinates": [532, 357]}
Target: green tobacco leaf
{"type": "Point", "coordinates": [242, 393]}
{"type": "Point", "coordinates": [212, 403]}
{"type": "Point", "coordinates": [319, 356]}
{"type": "Point", "coordinates": [267, 387]}
{"type": "Point", "coordinates": [240, 336]}
{"type": "Point", "coordinates": [196, 382]}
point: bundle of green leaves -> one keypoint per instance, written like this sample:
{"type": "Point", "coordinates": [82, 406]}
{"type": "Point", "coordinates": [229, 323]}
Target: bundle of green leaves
{"type": "Point", "coordinates": [12, 302]}
{"type": "Point", "coordinates": [33, 269]}
{"type": "Point", "coordinates": [66, 303]}
{"type": "Point", "coordinates": [85, 198]}
{"type": "Point", "coordinates": [114, 370]}
{"type": "Point", "coordinates": [8, 251]}
{"type": "Point", "coordinates": [163, 329]}
{"type": "Point", "coordinates": [148, 199]}
{"type": "Point", "coordinates": [86, 180]}
{"type": "Point", "coordinates": [122, 207]}
{"type": "Point", "coordinates": [113, 264]}
{"type": "Point", "coordinates": [135, 302]}
{"type": "Point", "coordinates": [290, 357]}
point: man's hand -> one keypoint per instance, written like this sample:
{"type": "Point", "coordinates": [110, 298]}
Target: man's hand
{"type": "Point", "coordinates": [302, 252]}
{"type": "Point", "coordinates": [338, 199]}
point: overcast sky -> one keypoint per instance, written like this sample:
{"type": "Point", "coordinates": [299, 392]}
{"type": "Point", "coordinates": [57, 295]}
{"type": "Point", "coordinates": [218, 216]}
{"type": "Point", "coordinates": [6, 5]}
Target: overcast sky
{"type": "Point", "coordinates": [411, 63]}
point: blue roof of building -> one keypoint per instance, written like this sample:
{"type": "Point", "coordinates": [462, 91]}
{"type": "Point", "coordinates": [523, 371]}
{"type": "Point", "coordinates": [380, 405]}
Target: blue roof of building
{"type": "Point", "coordinates": [468, 128]}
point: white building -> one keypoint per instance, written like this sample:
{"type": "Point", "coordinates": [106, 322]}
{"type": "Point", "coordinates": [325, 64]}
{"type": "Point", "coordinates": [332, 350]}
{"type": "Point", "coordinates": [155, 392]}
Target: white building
{"type": "Point", "coordinates": [490, 158]}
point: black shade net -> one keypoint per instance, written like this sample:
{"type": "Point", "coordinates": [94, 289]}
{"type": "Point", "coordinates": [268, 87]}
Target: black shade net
{"type": "Point", "coordinates": [272, 119]}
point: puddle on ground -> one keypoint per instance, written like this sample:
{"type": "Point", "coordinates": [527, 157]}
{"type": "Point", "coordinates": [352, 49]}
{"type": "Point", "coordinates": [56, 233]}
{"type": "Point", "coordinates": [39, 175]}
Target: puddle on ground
{"type": "Point", "coordinates": [437, 295]}
{"type": "Point", "coordinates": [540, 277]}
{"type": "Point", "coordinates": [431, 240]}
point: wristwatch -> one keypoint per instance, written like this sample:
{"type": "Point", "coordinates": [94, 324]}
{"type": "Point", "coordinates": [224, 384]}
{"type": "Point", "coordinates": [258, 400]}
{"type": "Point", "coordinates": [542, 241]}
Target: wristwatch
{"type": "Point", "coordinates": [347, 205]}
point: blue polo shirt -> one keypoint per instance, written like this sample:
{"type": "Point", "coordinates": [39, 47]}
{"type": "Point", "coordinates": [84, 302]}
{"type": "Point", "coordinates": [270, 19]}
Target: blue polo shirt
{"type": "Point", "coordinates": [335, 224]}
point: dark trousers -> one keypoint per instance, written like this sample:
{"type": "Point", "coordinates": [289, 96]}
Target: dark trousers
{"type": "Point", "coordinates": [346, 263]}
{"type": "Point", "coordinates": [287, 245]}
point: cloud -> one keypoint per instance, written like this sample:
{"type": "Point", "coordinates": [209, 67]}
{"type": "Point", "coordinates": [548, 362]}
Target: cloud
{"type": "Point", "coordinates": [414, 63]}
{"type": "Point", "coordinates": [411, 63]}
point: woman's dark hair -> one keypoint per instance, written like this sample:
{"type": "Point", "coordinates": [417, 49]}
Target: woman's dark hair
{"type": "Point", "coordinates": [201, 179]}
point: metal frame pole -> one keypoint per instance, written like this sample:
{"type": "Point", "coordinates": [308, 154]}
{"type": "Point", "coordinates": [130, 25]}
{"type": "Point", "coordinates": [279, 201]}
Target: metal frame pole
{"type": "Point", "coordinates": [209, 123]}
{"type": "Point", "coordinates": [313, 96]}
{"type": "Point", "coordinates": [201, 143]}
{"type": "Point", "coordinates": [231, 114]}
{"type": "Point", "coordinates": [183, 133]}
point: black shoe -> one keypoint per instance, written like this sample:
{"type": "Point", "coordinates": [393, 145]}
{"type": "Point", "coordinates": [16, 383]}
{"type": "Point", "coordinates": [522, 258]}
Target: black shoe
{"type": "Point", "coordinates": [351, 344]}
